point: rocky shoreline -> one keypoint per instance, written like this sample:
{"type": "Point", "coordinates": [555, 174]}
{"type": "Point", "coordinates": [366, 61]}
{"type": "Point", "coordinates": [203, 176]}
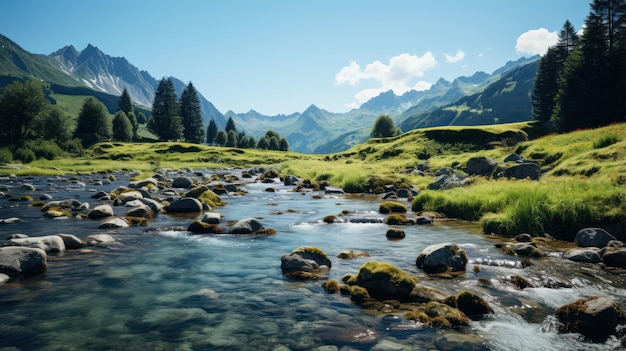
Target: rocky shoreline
{"type": "Point", "coordinates": [377, 287]}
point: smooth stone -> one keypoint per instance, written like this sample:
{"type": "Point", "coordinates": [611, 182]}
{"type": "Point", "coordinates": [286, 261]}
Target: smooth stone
{"type": "Point", "coordinates": [72, 242]}
{"type": "Point", "coordinates": [590, 255]}
{"type": "Point", "coordinates": [184, 205]}
{"type": "Point", "coordinates": [48, 243]}
{"type": "Point", "coordinates": [100, 211]}
{"type": "Point", "coordinates": [182, 182]}
{"type": "Point", "coordinates": [26, 261]}
{"type": "Point", "coordinates": [593, 237]}
{"type": "Point", "coordinates": [246, 226]}
{"type": "Point", "coordinates": [114, 223]}
{"type": "Point", "coordinates": [211, 218]}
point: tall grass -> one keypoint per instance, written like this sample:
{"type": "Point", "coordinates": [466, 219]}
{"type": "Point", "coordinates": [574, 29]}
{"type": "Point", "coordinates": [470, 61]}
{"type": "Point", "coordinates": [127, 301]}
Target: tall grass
{"type": "Point", "coordinates": [508, 208]}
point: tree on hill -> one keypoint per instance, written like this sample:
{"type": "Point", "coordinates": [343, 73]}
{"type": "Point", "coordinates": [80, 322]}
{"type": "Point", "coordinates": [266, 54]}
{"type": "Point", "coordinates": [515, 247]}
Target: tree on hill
{"type": "Point", "coordinates": [211, 132]}
{"type": "Point", "coordinates": [383, 127]}
{"type": "Point", "coordinates": [122, 128]}
{"type": "Point", "coordinates": [94, 123]}
{"type": "Point", "coordinates": [283, 144]}
{"type": "Point", "coordinates": [190, 113]}
{"type": "Point", "coordinates": [20, 105]}
{"type": "Point", "coordinates": [166, 122]}
{"type": "Point", "coordinates": [593, 82]}
{"type": "Point", "coordinates": [125, 104]}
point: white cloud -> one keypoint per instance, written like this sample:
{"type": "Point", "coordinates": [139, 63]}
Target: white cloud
{"type": "Point", "coordinates": [398, 75]}
{"type": "Point", "coordinates": [456, 57]}
{"type": "Point", "coordinates": [536, 41]}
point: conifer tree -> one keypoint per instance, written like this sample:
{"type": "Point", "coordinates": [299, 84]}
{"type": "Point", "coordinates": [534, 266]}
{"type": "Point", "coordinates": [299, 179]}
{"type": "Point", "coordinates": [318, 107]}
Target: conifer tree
{"type": "Point", "coordinates": [211, 132]}
{"type": "Point", "coordinates": [190, 113]}
{"type": "Point", "coordinates": [125, 104]}
{"type": "Point", "coordinates": [230, 125]}
{"type": "Point", "coordinates": [252, 143]}
{"type": "Point", "coordinates": [166, 122]}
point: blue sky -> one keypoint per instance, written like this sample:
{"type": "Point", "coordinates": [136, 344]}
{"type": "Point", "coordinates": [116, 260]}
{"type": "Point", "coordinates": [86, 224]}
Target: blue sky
{"type": "Point", "coordinates": [282, 56]}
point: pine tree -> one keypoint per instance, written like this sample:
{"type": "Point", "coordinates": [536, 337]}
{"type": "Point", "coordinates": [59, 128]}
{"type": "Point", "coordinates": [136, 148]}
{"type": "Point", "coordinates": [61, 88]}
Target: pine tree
{"type": "Point", "coordinates": [122, 128]}
{"type": "Point", "coordinates": [190, 113]}
{"type": "Point", "coordinates": [252, 143]}
{"type": "Point", "coordinates": [93, 123]}
{"type": "Point", "coordinates": [166, 122]}
{"type": "Point", "coordinates": [230, 125]}
{"type": "Point", "coordinates": [550, 67]}
{"type": "Point", "coordinates": [589, 89]}
{"type": "Point", "coordinates": [125, 103]}
{"type": "Point", "coordinates": [211, 132]}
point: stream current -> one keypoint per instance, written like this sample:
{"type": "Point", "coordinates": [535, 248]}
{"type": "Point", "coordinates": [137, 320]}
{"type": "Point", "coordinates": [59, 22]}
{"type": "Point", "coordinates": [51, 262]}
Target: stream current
{"type": "Point", "coordinates": [162, 288]}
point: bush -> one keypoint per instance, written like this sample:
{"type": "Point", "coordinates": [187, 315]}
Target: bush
{"type": "Point", "coordinates": [25, 155]}
{"type": "Point", "coordinates": [5, 155]}
{"type": "Point", "coordinates": [47, 149]}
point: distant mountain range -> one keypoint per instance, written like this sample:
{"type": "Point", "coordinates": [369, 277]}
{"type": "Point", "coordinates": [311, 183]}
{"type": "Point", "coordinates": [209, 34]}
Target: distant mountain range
{"type": "Point", "coordinates": [499, 97]}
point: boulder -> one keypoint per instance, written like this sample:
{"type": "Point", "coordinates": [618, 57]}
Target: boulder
{"type": "Point", "coordinates": [594, 317]}
{"type": "Point", "coordinates": [424, 294]}
{"type": "Point", "coordinates": [199, 227]}
{"type": "Point", "coordinates": [615, 257]}
{"type": "Point", "coordinates": [481, 166]}
{"type": "Point", "coordinates": [291, 180]}
{"type": "Point", "coordinates": [127, 196]}
{"type": "Point", "coordinates": [184, 205]}
{"type": "Point", "coordinates": [521, 249]}
{"type": "Point", "coordinates": [331, 190]}
{"type": "Point", "coordinates": [148, 182]}
{"type": "Point", "coordinates": [96, 239]}
{"type": "Point", "coordinates": [24, 261]}
{"type": "Point", "coordinates": [211, 218]}
{"type": "Point", "coordinates": [48, 243]}
{"type": "Point", "coordinates": [522, 171]}
{"type": "Point", "coordinates": [439, 258]}
{"type": "Point", "coordinates": [69, 204]}
{"type": "Point", "coordinates": [305, 262]}
{"type": "Point", "coordinates": [114, 223]}
{"type": "Point", "coordinates": [513, 158]}
{"type": "Point", "coordinates": [593, 237]}
{"type": "Point", "coordinates": [384, 281]}
{"type": "Point", "coordinates": [437, 314]}
{"type": "Point", "coordinates": [182, 182]}
{"type": "Point", "coordinates": [589, 255]}
{"type": "Point", "coordinates": [395, 233]}
{"type": "Point", "coordinates": [472, 304]}
{"type": "Point", "coordinates": [246, 226]}
{"type": "Point", "coordinates": [141, 211]}
{"type": "Point", "coordinates": [72, 242]}
{"type": "Point", "coordinates": [445, 181]}
{"type": "Point", "coordinates": [154, 205]}
{"type": "Point", "coordinates": [100, 211]}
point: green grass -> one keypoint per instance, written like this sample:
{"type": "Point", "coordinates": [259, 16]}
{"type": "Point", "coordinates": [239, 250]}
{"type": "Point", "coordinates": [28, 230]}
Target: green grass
{"type": "Point", "coordinates": [583, 182]}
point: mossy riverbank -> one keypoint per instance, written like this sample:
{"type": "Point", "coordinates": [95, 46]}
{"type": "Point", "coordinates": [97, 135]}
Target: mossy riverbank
{"type": "Point", "coordinates": [582, 183]}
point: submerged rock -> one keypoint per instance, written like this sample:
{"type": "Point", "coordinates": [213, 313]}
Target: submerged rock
{"type": "Point", "coordinates": [246, 226]}
{"type": "Point", "coordinates": [101, 211]}
{"type": "Point", "coordinates": [589, 255]}
{"type": "Point", "coordinates": [440, 258]}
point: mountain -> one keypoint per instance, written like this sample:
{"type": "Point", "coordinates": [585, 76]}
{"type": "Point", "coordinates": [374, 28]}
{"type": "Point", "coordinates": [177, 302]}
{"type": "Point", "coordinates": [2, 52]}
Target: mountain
{"type": "Point", "coordinates": [90, 68]}
{"type": "Point", "coordinates": [91, 72]}
{"type": "Point", "coordinates": [506, 100]}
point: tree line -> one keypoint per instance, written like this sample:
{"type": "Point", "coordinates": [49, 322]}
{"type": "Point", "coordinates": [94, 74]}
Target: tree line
{"type": "Point", "coordinates": [581, 81]}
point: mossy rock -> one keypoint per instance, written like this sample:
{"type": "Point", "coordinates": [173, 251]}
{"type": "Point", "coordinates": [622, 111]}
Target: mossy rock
{"type": "Point", "coordinates": [384, 281]}
{"type": "Point", "coordinates": [305, 262]}
{"type": "Point", "coordinates": [395, 234]}
{"type": "Point", "coordinates": [199, 227]}
{"type": "Point", "coordinates": [331, 286]}
{"type": "Point", "coordinates": [392, 207]}
{"type": "Point", "coordinates": [330, 219]}
{"type": "Point", "coordinates": [359, 295]}
{"type": "Point", "coordinates": [205, 196]}
{"type": "Point", "coordinates": [471, 304]}
{"type": "Point", "coordinates": [437, 314]}
{"type": "Point", "coordinates": [398, 219]}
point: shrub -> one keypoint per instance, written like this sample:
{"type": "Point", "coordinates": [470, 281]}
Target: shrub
{"type": "Point", "coordinates": [25, 155]}
{"type": "Point", "coordinates": [5, 155]}
{"type": "Point", "coordinates": [605, 141]}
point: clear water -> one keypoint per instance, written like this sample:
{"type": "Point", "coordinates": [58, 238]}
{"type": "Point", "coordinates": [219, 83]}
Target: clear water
{"type": "Point", "coordinates": [163, 289]}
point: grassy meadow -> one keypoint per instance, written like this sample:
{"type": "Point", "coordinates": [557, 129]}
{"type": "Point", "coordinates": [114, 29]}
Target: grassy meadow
{"type": "Point", "coordinates": [582, 183]}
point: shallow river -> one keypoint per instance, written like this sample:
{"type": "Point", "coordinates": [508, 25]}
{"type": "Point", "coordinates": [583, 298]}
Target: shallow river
{"type": "Point", "coordinates": [163, 289]}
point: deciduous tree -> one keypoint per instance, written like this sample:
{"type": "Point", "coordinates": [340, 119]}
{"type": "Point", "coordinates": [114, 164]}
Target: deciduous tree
{"type": "Point", "coordinates": [383, 127]}
{"type": "Point", "coordinates": [122, 128]}
{"type": "Point", "coordinates": [20, 104]}
{"type": "Point", "coordinates": [94, 123]}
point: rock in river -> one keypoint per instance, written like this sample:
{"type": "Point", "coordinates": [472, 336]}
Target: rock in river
{"type": "Point", "coordinates": [441, 258]}
{"type": "Point", "coordinates": [26, 261]}
{"type": "Point", "coordinates": [305, 262]}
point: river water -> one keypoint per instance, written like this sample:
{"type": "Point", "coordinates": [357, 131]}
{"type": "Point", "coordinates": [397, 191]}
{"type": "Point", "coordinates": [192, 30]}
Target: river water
{"type": "Point", "coordinates": [161, 288]}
